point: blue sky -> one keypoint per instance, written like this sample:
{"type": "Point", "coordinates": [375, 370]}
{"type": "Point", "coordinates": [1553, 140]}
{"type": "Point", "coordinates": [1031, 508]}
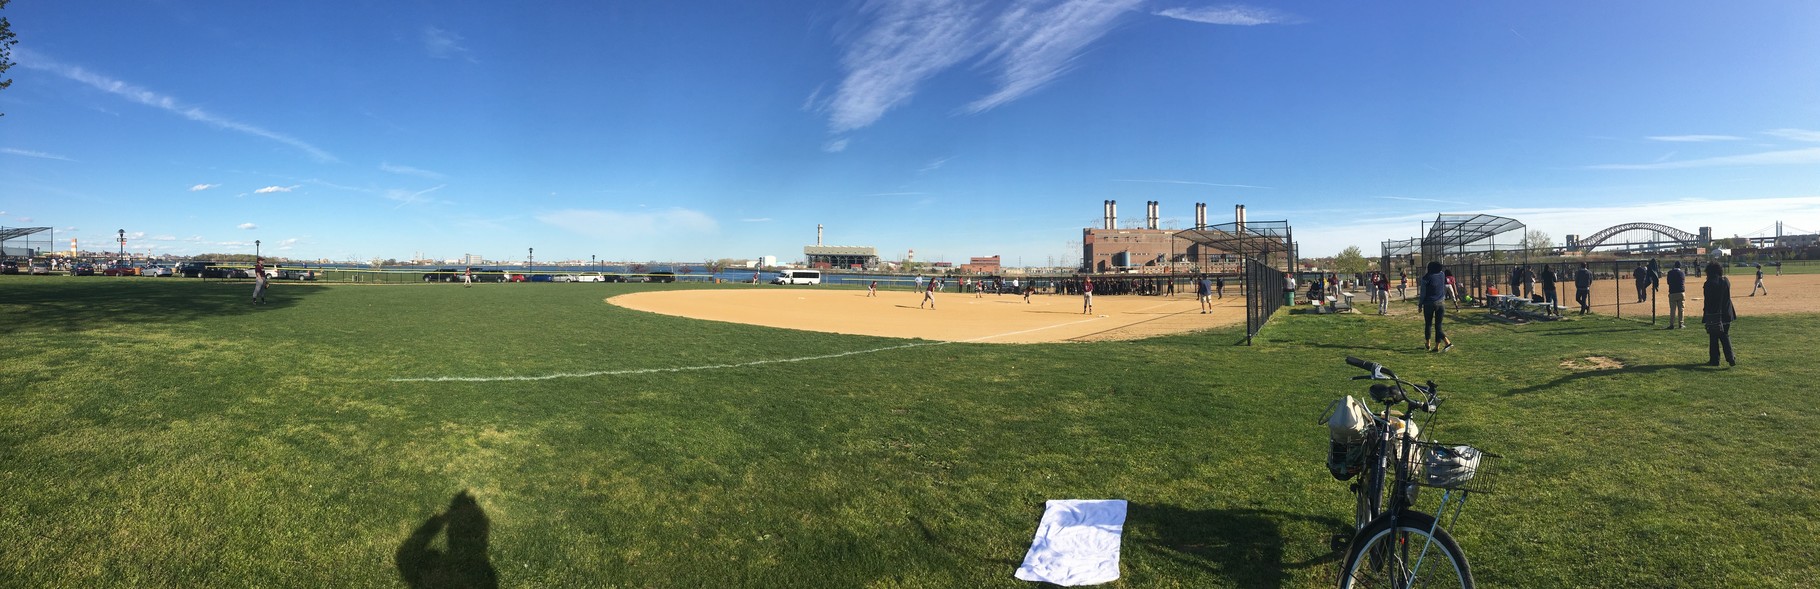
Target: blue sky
{"type": "Point", "coordinates": [694, 130]}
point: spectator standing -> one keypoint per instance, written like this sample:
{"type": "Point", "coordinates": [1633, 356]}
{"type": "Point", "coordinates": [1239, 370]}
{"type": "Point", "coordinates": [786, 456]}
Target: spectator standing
{"type": "Point", "coordinates": [1219, 286]}
{"type": "Point", "coordinates": [1529, 283]}
{"type": "Point", "coordinates": [1432, 292]}
{"type": "Point", "coordinates": [1383, 287]}
{"type": "Point", "coordinates": [1677, 297]}
{"type": "Point", "coordinates": [1516, 278]}
{"type": "Point", "coordinates": [1289, 287]}
{"type": "Point", "coordinates": [1583, 288]}
{"type": "Point", "coordinates": [1451, 292]}
{"type": "Point", "coordinates": [1550, 295]}
{"type": "Point", "coordinates": [1718, 315]}
{"type": "Point", "coordinates": [1759, 285]}
{"type": "Point", "coordinates": [1641, 274]}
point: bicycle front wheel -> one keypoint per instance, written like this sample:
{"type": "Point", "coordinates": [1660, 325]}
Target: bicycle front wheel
{"type": "Point", "coordinates": [1412, 552]}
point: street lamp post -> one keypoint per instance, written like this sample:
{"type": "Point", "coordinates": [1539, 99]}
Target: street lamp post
{"type": "Point", "coordinates": [122, 258]}
{"type": "Point", "coordinates": [530, 259]}
{"type": "Point", "coordinates": [258, 260]}
{"type": "Point", "coordinates": [591, 265]}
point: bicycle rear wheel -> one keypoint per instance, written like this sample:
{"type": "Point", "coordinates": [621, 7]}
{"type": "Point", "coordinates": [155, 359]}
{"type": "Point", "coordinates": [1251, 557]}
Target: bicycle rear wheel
{"type": "Point", "coordinates": [1412, 552]}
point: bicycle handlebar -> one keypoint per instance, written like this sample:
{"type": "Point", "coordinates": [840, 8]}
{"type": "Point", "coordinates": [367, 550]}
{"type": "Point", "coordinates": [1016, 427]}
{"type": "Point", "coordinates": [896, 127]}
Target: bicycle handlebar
{"type": "Point", "coordinates": [1379, 372]}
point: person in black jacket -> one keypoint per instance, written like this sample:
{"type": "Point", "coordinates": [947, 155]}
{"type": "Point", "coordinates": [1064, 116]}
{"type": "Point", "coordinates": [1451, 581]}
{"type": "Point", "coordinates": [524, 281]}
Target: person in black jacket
{"type": "Point", "coordinates": [1641, 274]}
{"type": "Point", "coordinates": [1718, 315]}
{"type": "Point", "coordinates": [1583, 288]}
{"type": "Point", "coordinates": [1549, 294]}
{"type": "Point", "coordinates": [1432, 296]}
{"type": "Point", "coordinates": [1677, 297]}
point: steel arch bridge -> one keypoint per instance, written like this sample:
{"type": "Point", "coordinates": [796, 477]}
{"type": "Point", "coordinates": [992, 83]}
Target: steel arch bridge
{"type": "Point", "coordinates": [1592, 241]}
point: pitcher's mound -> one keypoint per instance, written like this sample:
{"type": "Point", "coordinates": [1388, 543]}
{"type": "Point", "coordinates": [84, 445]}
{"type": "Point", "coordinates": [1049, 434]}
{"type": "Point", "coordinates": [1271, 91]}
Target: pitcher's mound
{"type": "Point", "coordinates": [956, 317]}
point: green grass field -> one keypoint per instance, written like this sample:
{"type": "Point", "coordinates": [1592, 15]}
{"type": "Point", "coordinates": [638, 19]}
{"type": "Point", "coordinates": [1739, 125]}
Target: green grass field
{"type": "Point", "coordinates": [164, 433]}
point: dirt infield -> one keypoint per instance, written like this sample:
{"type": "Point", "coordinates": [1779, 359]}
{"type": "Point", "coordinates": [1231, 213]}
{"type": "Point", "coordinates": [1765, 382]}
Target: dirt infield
{"type": "Point", "coordinates": [959, 317]}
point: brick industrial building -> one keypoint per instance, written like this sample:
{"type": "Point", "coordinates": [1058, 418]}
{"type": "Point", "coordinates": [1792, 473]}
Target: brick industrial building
{"type": "Point", "coordinates": [1152, 249]}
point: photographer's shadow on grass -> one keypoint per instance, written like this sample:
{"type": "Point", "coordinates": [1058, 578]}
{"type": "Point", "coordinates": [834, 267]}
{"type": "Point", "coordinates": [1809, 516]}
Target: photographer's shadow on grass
{"type": "Point", "coordinates": [1245, 546]}
{"type": "Point", "coordinates": [463, 563]}
{"type": "Point", "coordinates": [80, 304]}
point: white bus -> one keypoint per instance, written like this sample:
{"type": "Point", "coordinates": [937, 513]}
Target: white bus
{"type": "Point", "coordinates": [798, 277]}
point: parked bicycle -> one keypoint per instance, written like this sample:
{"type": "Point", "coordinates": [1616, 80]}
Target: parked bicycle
{"type": "Point", "coordinates": [1394, 544]}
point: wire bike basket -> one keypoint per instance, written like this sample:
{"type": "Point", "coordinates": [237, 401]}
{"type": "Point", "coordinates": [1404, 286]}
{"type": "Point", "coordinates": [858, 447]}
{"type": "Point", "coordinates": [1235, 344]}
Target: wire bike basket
{"type": "Point", "coordinates": [1455, 467]}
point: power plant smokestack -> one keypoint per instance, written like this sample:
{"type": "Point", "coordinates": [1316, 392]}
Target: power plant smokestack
{"type": "Point", "coordinates": [1150, 215]}
{"type": "Point", "coordinates": [818, 234]}
{"type": "Point", "coordinates": [1238, 217]}
{"type": "Point", "coordinates": [1112, 214]}
{"type": "Point", "coordinates": [1200, 215]}
{"type": "Point", "coordinates": [1105, 214]}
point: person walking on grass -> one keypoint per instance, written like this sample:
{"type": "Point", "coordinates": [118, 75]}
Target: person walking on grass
{"type": "Point", "coordinates": [1718, 314]}
{"type": "Point", "coordinates": [928, 294]}
{"type": "Point", "coordinates": [1583, 288]}
{"type": "Point", "coordinates": [1087, 296]}
{"type": "Point", "coordinates": [1203, 289]}
{"type": "Point", "coordinates": [1759, 285]}
{"type": "Point", "coordinates": [1403, 284]}
{"type": "Point", "coordinates": [1677, 297]}
{"type": "Point", "coordinates": [1431, 293]}
{"type": "Point", "coordinates": [259, 283]}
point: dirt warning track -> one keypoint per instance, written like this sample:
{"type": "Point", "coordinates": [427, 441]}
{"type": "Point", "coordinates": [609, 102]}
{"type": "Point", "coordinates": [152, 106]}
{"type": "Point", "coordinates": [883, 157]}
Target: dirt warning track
{"type": "Point", "coordinates": [957, 317]}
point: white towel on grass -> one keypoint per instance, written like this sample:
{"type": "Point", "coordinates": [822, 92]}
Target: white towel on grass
{"type": "Point", "coordinates": [1077, 543]}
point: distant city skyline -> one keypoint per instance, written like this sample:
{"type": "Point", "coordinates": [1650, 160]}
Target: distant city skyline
{"type": "Point", "coordinates": [693, 131]}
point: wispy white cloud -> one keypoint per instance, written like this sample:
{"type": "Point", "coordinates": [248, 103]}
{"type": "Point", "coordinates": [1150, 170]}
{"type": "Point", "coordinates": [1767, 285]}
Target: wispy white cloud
{"type": "Point", "coordinates": [411, 197]}
{"type": "Point", "coordinates": [442, 44]}
{"type": "Point", "coordinates": [1041, 43]}
{"type": "Point", "coordinates": [1785, 157]}
{"type": "Point", "coordinates": [1693, 138]}
{"type": "Point", "coordinates": [136, 235]}
{"type": "Point", "coordinates": [1667, 156]}
{"type": "Point", "coordinates": [1234, 14]}
{"type": "Point", "coordinates": [936, 165]}
{"type": "Point", "coordinates": [164, 238]}
{"type": "Point", "coordinates": [36, 154]}
{"type": "Point", "coordinates": [622, 226]}
{"type": "Point", "coordinates": [1795, 134]}
{"type": "Point", "coordinates": [895, 194]}
{"type": "Point", "coordinates": [32, 60]}
{"type": "Point", "coordinates": [904, 44]}
{"type": "Point", "coordinates": [1191, 182]}
{"type": "Point", "coordinates": [410, 171]}
{"type": "Point", "coordinates": [835, 146]}
{"type": "Point", "coordinates": [1434, 200]}
{"type": "Point", "coordinates": [247, 226]}
{"type": "Point", "coordinates": [272, 189]}
{"type": "Point", "coordinates": [756, 220]}
{"type": "Point", "coordinates": [25, 219]}
{"type": "Point", "coordinates": [202, 187]}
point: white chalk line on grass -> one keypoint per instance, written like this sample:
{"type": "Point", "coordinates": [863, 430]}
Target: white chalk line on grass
{"type": "Point", "coordinates": [710, 366]}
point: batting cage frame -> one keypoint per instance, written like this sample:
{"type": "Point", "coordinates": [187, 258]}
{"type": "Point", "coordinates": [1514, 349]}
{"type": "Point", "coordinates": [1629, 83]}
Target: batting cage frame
{"type": "Point", "coordinates": [17, 242]}
{"type": "Point", "coordinates": [1267, 249]}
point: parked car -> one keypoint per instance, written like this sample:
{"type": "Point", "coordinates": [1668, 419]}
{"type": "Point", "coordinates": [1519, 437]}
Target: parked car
{"type": "Point", "coordinates": [155, 270]}
{"type": "Point", "coordinates": [443, 275]}
{"type": "Point", "coordinates": [541, 278]}
{"type": "Point", "coordinates": [595, 277]}
{"type": "Point", "coordinates": [41, 268]}
{"type": "Point", "coordinates": [515, 278]}
{"type": "Point", "coordinates": [565, 278]}
{"type": "Point", "coordinates": [195, 270]}
{"type": "Point", "coordinates": [82, 270]}
{"type": "Point", "coordinates": [663, 277]}
{"type": "Point", "coordinates": [9, 267]}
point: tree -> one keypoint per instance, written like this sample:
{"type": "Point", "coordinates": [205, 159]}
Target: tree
{"type": "Point", "coordinates": [1536, 240]}
{"type": "Point", "coordinates": [6, 50]}
{"type": "Point", "coordinates": [1349, 261]}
